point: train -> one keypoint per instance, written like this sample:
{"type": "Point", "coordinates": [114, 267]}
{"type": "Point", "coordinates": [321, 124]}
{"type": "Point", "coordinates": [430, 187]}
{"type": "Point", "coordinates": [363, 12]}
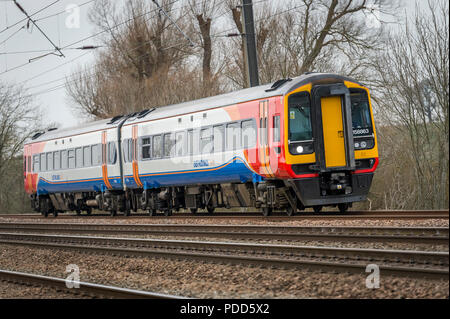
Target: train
{"type": "Point", "coordinates": [297, 143]}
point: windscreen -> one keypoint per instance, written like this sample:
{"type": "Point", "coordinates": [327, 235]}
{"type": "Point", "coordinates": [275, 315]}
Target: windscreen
{"type": "Point", "coordinates": [299, 117]}
{"type": "Point", "coordinates": [361, 119]}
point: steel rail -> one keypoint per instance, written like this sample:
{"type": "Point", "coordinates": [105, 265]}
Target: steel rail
{"type": "Point", "coordinates": [84, 287]}
{"type": "Point", "coordinates": [277, 216]}
{"type": "Point", "coordinates": [400, 262]}
{"type": "Point", "coordinates": [427, 235]}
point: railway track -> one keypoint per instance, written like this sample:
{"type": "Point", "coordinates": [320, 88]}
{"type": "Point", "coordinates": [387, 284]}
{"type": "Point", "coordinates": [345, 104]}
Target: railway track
{"type": "Point", "coordinates": [91, 289]}
{"type": "Point", "coordinates": [277, 216]}
{"type": "Point", "coordinates": [427, 235]}
{"type": "Point", "coordinates": [391, 262]}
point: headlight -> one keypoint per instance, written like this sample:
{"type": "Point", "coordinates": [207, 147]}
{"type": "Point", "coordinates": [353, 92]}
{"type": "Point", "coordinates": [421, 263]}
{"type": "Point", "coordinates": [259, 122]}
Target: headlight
{"type": "Point", "coordinates": [301, 148]}
{"type": "Point", "coordinates": [364, 143]}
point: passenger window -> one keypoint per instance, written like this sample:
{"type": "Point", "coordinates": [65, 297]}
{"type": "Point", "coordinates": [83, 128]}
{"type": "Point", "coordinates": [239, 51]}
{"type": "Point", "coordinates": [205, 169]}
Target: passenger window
{"type": "Point", "coordinates": [71, 157]}
{"type": "Point", "coordinates": [43, 163]}
{"type": "Point", "coordinates": [96, 155]}
{"type": "Point", "coordinates": [248, 134]}
{"type": "Point", "coordinates": [35, 163]}
{"type": "Point", "coordinates": [180, 144]}
{"type": "Point", "coordinates": [146, 148]}
{"type": "Point", "coordinates": [169, 144]}
{"type": "Point", "coordinates": [233, 136]}
{"type": "Point", "coordinates": [87, 162]}
{"type": "Point", "coordinates": [276, 128]}
{"type": "Point", "coordinates": [125, 150]}
{"type": "Point", "coordinates": [64, 159]}
{"type": "Point", "coordinates": [190, 142]}
{"type": "Point", "coordinates": [112, 155]}
{"type": "Point", "coordinates": [261, 131]}
{"type": "Point", "coordinates": [157, 146]}
{"type": "Point", "coordinates": [130, 150]}
{"type": "Point", "coordinates": [56, 161]}
{"type": "Point", "coordinates": [219, 138]}
{"type": "Point", "coordinates": [206, 141]}
{"type": "Point", "coordinates": [79, 157]}
{"type": "Point", "coordinates": [50, 161]}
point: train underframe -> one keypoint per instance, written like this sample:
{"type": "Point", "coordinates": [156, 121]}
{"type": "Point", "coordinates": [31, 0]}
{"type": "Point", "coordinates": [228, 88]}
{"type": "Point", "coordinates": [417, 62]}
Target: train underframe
{"type": "Point", "coordinates": [329, 189]}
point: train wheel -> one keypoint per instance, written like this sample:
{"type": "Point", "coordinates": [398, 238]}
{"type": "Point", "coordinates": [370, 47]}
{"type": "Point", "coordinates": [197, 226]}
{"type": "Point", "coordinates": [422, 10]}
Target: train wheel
{"type": "Point", "coordinates": [55, 213]}
{"type": "Point", "coordinates": [45, 214]}
{"type": "Point", "coordinates": [78, 212]}
{"type": "Point", "coordinates": [317, 209]}
{"type": "Point", "coordinates": [194, 210]}
{"type": "Point", "coordinates": [89, 211]}
{"type": "Point", "coordinates": [167, 212]}
{"type": "Point", "coordinates": [290, 211]}
{"type": "Point", "coordinates": [343, 208]}
{"type": "Point", "coordinates": [152, 212]}
{"type": "Point", "coordinates": [210, 210]}
{"type": "Point", "coordinates": [113, 212]}
{"type": "Point", "coordinates": [267, 211]}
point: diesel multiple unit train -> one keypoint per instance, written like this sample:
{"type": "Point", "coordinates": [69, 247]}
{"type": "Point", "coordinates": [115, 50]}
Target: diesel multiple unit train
{"type": "Point", "coordinates": [304, 142]}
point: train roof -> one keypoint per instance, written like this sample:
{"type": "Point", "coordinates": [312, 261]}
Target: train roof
{"type": "Point", "coordinates": [278, 88]}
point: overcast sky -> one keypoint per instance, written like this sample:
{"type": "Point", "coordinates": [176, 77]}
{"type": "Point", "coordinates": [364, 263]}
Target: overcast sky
{"type": "Point", "coordinates": [45, 76]}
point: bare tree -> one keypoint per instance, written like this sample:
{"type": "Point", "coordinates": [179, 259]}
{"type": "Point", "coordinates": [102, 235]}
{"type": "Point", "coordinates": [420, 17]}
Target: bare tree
{"type": "Point", "coordinates": [299, 36]}
{"type": "Point", "coordinates": [18, 120]}
{"type": "Point", "coordinates": [413, 98]}
{"type": "Point", "coordinates": [144, 51]}
{"type": "Point", "coordinates": [203, 12]}
{"type": "Point", "coordinates": [141, 36]}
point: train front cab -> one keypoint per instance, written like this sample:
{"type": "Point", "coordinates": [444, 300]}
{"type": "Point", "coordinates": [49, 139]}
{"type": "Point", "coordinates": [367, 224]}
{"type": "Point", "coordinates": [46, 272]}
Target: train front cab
{"type": "Point", "coordinates": [330, 143]}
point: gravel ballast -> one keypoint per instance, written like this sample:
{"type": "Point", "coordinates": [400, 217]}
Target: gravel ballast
{"type": "Point", "coordinates": [233, 221]}
{"type": "Point", "coordinates": [12, 290]}
{"type": "Point", "coordinates": [208, 280]}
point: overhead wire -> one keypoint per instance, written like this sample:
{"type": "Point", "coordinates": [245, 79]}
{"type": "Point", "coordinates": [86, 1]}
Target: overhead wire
{"type": "Point", "coordinates": [13, 34]}
{"type": "Point", "coordinates": [24, 19]}
{"type": "Point", "coordinates": [219, 34]}
{"type": "Point", "coordinates": [89, 37]}
{"type": "Point", "coordinates": [60, 86]}
{"type": "Point", "coordinates": [73, 80]}
{"type": "Point", "coordinates": [63, 11]}
{"type": "Point", "coordinates": [126, 51]}
{"type": "Point", "coordinates": [40, 30]}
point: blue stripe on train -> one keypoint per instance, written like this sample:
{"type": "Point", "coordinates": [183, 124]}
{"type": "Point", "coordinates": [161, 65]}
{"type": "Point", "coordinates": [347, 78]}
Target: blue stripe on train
{"type": "Point", "coordinates": [84, 185]}
{"type": "Point", "coordinates": [234, 171]}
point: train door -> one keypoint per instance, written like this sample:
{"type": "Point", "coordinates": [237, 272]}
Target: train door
{"type": "Point", "coordinates": [105, 160]}
{"type": "Point", "coordinates": [333, 122]}
{"type": "Point", "coordinates": [333, 131]}
{"type": "Point", "coordinates": [264, 149]}
{"type": "Point", "coordinates": [135, 156]}
{"type": "Point", "coordinates": [28, 176]}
